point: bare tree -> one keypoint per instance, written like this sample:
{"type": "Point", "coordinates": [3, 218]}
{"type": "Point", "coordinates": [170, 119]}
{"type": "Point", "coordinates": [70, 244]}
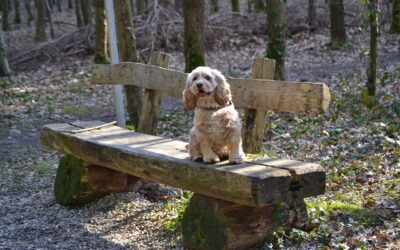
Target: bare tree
{"type": "Point", "coordinates": [276, 36]}
{"type": "Point", "coordinates": [311, 15]}
{"type": "Point", "coordinates": [338, 29]}
{"type": "Point", "coordinates": [78, 13]}
{"type": "Point", "coordinates": [40, 24]}
{"type": "Point", "coordinates": [27, 4]}
{"type": "Point", "coordinates": [48, 14]}
{"type": "Point", "coordinates": [5, 8]}
{"type": "Point", "coordinates": [128, 53]}
{"type": "Point", "coordinates": [86, 10]}
{"type": "Point", "coordinates": [100, 53]}
{"type": "Point", "coordinates": [373, 10]}
{"type": "Point", "coordinates": [194, 34]}
{"type": "Point", "coordinates": [395, 24]}
{"type": "Point", "coordinates": [4, 68]}
{"type": "Point", "coordinates": [141, 5]}
{"type": "Point", "coordinates": [214, 6]}
{"type": "Point", "coordinates": [17, 17]}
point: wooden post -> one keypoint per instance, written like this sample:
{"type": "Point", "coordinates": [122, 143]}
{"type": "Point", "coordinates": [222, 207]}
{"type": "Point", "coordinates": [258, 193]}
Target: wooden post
{"type": "Point", "coordinates": [254, 119]}
{"type": "Point", "coordinates": [210, 223]}
{"type": "Point", "coordinates": [78, 182]}
{"type": "Point", "coordinates": [152, 98]}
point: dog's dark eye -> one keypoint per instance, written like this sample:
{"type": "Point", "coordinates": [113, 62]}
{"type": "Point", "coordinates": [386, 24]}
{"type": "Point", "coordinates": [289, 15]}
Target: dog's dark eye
{"type": "Point", "coordinates": [208, 78]}
{"type": "Point", "coordinates": [195, 78]}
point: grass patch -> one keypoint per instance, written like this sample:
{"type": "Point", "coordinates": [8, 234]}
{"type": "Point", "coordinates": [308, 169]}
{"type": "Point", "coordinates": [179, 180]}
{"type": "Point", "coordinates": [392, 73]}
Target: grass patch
{"type": "Point", "coordinates": [364, 216]}
{"type": "Point", "coordinates": [80, 111]}
{"type": "Point", "coordinates": [392, 189]}
{"type": "Point", "coordinates": [175, 224]}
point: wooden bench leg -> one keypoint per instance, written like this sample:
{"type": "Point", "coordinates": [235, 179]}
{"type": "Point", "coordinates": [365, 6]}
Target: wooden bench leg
{"type": "Point", "coordinates": [78, 183]}
{"type": "Point", "coordinates": [210, 223]}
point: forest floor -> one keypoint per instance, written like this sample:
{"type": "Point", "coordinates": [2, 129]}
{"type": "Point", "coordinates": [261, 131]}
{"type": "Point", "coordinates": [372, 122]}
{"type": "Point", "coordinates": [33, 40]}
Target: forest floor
{"type": "Point", "coordinates": [357, 142]}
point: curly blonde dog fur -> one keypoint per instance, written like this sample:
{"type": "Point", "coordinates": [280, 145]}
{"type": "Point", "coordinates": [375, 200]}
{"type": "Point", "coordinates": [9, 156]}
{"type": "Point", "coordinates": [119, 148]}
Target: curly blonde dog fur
{"type": "Point", "coordinates": [216, 131]}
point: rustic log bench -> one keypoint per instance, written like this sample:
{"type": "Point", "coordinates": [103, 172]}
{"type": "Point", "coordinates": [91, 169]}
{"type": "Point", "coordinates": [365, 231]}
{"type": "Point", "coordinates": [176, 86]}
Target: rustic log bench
{"type": "Point", "coordinates": [233, 206]}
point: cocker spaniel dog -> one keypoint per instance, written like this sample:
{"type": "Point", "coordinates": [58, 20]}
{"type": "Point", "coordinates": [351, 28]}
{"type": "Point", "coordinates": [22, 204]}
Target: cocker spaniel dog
{"type": "Point", "coordinates": [216, 131]}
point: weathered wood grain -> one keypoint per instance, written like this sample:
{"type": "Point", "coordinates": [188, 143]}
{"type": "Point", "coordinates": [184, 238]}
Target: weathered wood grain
{"type": "Point", "coordinates": [307, 178]}
{"type": "Point", "coordinates": [152, 98]}
{"type": "Point", "coordinates": [303, 97]}
{"type": "Point", "coordinates": [166, 161]}
{"type": "Point", "coordinates": [254, 119]}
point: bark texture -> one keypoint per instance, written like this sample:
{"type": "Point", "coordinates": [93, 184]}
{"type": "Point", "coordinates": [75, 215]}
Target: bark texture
{"type": "Point", "coordinates": [194, 34]}
{"type": "Point", "coordinates": [100, 54]}
{"type": "Point", "coordinates": [276, 36]}
{"type": "Point", "coordinates": [312, 23]}
{"type": "Point", "coordinates": [40, 32]}
{"type": "Point", "coordinates": [373, 45]}
{"type": "Point", "coordinates": [338, 28]}
{"type": "Point", "coordinates": [4, 67]}
{"type": "Point", "coordinates": [210, 223]}
{"type": "Point", "coordinates": [128, 53]}
{"type": "Point", "coordinates": [17, 16]}
{"type": "Point", "coordinates": [78, 13]}
{"type": "Point", "coordinates": [5, 10]}
{"type": "Point", "coordinates": [27, 4]}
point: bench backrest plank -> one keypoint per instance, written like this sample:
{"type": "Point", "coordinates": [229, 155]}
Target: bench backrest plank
{"type": "Point", "coordinates": [166, 161]}
{"type": "Point", "coordinates": [303, 97]}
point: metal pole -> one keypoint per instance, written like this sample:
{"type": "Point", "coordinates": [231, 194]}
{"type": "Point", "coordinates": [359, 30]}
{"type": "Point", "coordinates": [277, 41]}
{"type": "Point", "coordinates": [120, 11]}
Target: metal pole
{"type": "Point", "coordinates": [113, 43]}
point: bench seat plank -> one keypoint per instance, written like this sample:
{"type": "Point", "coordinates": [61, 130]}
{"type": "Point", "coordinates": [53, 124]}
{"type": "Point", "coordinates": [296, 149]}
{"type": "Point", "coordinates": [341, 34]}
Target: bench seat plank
{"type": "Point", "coordinates": [165, 160]}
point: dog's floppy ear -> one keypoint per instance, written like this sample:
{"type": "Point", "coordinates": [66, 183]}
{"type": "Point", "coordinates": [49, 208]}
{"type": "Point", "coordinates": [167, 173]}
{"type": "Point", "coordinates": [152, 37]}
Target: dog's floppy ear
{"type": "Point", "coordinates": [222, 91]}
{"type": "Point", "coordinates": [189, 99]}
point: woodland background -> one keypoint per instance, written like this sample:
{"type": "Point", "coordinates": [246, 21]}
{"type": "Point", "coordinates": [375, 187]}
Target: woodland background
{"type": "Point", "coordinates": [51, 45]}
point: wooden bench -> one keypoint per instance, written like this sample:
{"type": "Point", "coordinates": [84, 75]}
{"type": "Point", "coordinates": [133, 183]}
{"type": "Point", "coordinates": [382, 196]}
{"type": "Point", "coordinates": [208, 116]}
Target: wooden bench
{"type": "Point", "coordinates": [233, 206]}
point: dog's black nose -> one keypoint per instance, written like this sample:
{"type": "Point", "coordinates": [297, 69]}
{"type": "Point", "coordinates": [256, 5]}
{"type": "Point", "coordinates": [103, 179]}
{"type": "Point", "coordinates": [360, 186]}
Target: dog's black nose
{"type": "Point", "coordinates": [199, 85]}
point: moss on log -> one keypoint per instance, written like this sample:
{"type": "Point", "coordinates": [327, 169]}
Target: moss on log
{"type": "Point", "coordinates": [210, 223]}
{"type": "Point", "coordinates": [78, 183]}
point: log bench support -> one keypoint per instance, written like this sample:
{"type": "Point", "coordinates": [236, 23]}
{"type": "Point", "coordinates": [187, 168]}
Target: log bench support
{"type": "Point", "coordinates": [210, 223]}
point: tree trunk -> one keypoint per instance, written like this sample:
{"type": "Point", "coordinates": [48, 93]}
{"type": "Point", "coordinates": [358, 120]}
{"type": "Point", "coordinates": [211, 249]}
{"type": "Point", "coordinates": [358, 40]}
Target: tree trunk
{"type": "Point", "coordinates": [338, 29]}
{"type": "Point", "coordinates": [78, 9]}
{"type": "Point", "coordinates": [395, 24]}
{"type": "Point", "coordinates": [235, 5]}
{"type": "Point", "coordinates": [59, 6]}
{"type": "Point", "coordinates": [70, 5]}
{"type": "Point", "coordinates": [5, 15]}
{"type": "Point", "coordinates": [48, 14]}
{"type": "Point", "coordinates": [4, 68]}
{"type": "Point", "coordinates": [141, 5]}
{"type": "Point", "coordinates": [276, 36]}
{"type": "Point", "coordinates": [40, 33]}
{"type": "Point", "coordinates": [17, 17]}
{"type": "Point", "coordinates": [373, 20]}
{"type": "Point", "coordinates": [128, 53]}
{"type": "Point", "coordinates": [194, 34]}
{"type": "Point", "coordinates": [85, 5]}
{"type": "Point", "coordinates": [100, 54]}
{"type": "Point", "coordinates": [28, 11]}
{"type": "Point", "coordinates": [311, 15]}
{"type": "Point", "coordinates": [214, 6]}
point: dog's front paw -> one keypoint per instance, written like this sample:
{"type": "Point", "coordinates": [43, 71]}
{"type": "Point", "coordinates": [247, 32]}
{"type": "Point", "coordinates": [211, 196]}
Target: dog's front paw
{"type": "Point", "coordinates": [196, 157]}
{"type": "Point", "coordinates": [237, 159]}
{"type": "Point", "coordinates": [211, 159]}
